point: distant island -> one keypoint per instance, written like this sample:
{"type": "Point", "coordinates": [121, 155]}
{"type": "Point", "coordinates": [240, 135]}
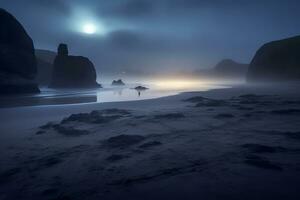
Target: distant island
{"type": "Point", "coordinates": [229, 68]}
{"type": "Point", "coordinates": [141, 88]}
{"type": "Point", "coordinates": [118, 82]}
{"type": "Point", "coordinates": [224, 69]}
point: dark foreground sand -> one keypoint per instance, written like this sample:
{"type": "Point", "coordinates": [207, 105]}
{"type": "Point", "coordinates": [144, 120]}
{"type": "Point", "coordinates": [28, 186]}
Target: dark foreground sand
{"type": "Point", "coordinates": [238, 143]}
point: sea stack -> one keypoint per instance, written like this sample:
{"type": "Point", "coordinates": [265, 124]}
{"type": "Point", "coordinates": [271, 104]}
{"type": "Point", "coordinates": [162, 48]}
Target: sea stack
{"type": "Point", "coordinates": [276, 61]}
{"type": "Point", "coordinates": [17, 60]}
{"type": "Point", "coordinates": [72, 71]}
{"type": "Point", "coordinates": [118, 83]}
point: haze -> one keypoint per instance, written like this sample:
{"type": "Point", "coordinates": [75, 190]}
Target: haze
{"type": "Point", "coordinates": [143, 36]}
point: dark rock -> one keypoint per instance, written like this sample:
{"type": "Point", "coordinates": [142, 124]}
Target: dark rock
{"type": "Point", "coordinates": [196, 99]}
{"type": "Point", "coordinates": [206, 102]}
{"type": "Point", "coordinates": [122, 141]}
{"type": "Point", "coordinates": [117, 82]}
{"type": "Point", "coordinates": [17, 59]}
{"type": "Point", "coordinates": [72, 71]}
{"type": "Point", "coordinates": [97, 116]}
{"type": "Point", "coordinates": [62, 50]}
{"type": "Point", "coordinates": [70, 131]}
{"type": "Point", "coordinates": [276, 61]}
{"type": "Point", "coordinates": [141, 88]}
{"type": "Point", "coordinates": [47, 126]}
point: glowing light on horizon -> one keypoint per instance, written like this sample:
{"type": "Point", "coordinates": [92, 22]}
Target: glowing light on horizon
{"type": "Point", "coordinates": [179, 84]}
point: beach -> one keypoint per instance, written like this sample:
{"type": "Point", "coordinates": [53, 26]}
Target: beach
{"type": "Point", "coordinates": [231, 143]}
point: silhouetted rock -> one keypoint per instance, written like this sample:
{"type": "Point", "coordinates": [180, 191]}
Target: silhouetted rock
{"type": "Point", "coordinates": [141, 88]}
{"type": "Point", "coordinates": [17, 59]}
{"type": "Point", "coordinates": [229, 68]}
{"type": "Point", "coordinates": [276, 61]}
{"type": "Point", "coordinates": [118, 82]}
{"type": "Point", "coordinates": [45, 61]}
{"type": "Point", "coordinates": [72, 71]}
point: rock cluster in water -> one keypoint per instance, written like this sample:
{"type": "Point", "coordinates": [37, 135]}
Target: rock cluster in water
{"type": "Point", "coordinates": [117, 82]}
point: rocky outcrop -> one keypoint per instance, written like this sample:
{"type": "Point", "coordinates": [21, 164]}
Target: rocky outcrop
{"type": "Point", "coordinates": [276, 61]}
{"type": "Point", "coordinates": [44, 59]}
{"type": "Point", "coordinates": [118, 82]}
{"type": "Point", "coordinates": [228, 68]}
{"type": "Point", "coordinates": [141, 88]}
{"type": "Point", "coordinates": [17, 60]}
{"type": "Point", "coordinates": [72, 71]}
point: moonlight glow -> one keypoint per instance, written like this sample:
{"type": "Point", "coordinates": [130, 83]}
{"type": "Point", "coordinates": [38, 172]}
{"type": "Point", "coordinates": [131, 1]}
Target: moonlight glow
{"type": "Point", "coordinates": [89, 28]}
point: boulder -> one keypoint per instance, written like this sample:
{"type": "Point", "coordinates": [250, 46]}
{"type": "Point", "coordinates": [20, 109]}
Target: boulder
{"type": "Point", "coordinates": [276, 61]}
{"type": "Point", "coordinates": [72, 71]}
{"type": "Point", "coordinates": [17, 59]}
{"type": "Point", "coordinates": [118, 82]}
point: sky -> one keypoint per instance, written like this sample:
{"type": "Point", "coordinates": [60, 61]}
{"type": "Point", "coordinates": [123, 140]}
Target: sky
{"type": "Point", "coordinates": [146, 36]}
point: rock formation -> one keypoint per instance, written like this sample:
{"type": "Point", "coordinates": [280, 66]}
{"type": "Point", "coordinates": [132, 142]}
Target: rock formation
{"type": "Point", "coordinates": [44, 59]}
{"type": "Point", "coordinates": [276, 61]}
{"type": "Point", "coordinates": [141, 88]}
{"type": "Point", "coordinates": [72, 71]}
{"type": "Point", "coordinates": [118, 82]}
{"type": "Point", "coordinates": [228, 68]}
{"type": "Point", "coordinates": [17, 59]}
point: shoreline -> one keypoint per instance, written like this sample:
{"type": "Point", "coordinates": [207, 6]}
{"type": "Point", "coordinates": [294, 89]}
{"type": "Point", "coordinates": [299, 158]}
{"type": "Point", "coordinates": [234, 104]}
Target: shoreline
{"type": "Point", "coordinates": [243, 137]}
{"type": "Point", "coordinates": [103, 95]}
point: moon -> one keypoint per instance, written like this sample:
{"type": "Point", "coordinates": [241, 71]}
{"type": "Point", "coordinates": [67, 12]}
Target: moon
{"type": "Point", "coordinates": [89, 28]}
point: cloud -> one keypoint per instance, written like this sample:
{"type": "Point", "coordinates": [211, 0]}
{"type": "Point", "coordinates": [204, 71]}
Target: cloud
{"type": "Point", "coordinates": [159, 34]}
{"type": "Point", "coordinates": [124, 39]}
{"type": "Point", "coordinates": [133, 8]}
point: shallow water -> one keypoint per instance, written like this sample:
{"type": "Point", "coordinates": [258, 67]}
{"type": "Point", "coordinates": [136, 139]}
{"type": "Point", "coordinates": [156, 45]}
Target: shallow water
{"type": "Point", "coordinates": [106, 94]}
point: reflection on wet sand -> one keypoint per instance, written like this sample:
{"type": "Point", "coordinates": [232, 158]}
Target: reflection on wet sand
{"type": "Point", "coordinates": [106, 94]}
{"type": "Point", "coordinates": [17, 101]}
{"type": "Point", "coordinates": [118, 91]}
